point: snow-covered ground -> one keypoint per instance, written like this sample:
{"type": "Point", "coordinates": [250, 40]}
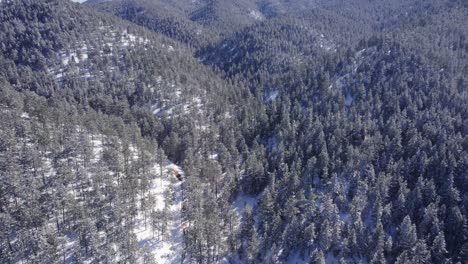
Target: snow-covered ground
{"type": "Point", "coordinates": [167, 249]}
{"type": "Point", "coordinates": [271, 96]}
{"type": "Point", "coordinates": [325, 44]}
{"type": "Point", "coordinates": [110, 42]}
{"type": "Point", "coordinates": [242, 202]}
{"type": "Point", "coordinates": [255, 14]}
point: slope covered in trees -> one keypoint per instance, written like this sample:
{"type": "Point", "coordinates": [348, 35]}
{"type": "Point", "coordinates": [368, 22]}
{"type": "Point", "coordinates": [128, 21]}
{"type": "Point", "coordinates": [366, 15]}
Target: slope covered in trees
{"type": "Point", "coordinates": [308, 131]}
{"type": "Point", "coordinates": [169, 19]}
{"type": "Point", "coordinates": [86, 75]}
{"type": "Point", "coordinates": [345, 131]}
{"type": "Point", "coordinates": [73, 183]}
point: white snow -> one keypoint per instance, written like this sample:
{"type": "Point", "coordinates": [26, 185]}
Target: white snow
{"type": "Point", "coordinates": [202, 127]}
{"type": "Point", "coordinates": [83, 56]}
{"type": "Point", "coordinates": [157, 110]}
{"type": "Point", "coordinates": [325, 44]}
{"type": "Point", "coordinates": [359, 53]}
{"type": "Point", "coordinates": [59, 75]}
{"type": "Point", "coordinates": [214, 156]}
{"type": "Point", "coordinates": [175, 168]}
{"type": "Point", "coordinates": [159, 79]}
{"type": "Point", "coordinates": [255, 14]}
{"type": "Point", "coordinates": [169, 248]}
{"type": "Point", "coordinates": [66, 58]}
{"type": "Point", "coordinates": [242, 202]}
{"type": "Point", "coordinates": [178, 93]}
{"type": "Point", "coordinates": [272, 95]}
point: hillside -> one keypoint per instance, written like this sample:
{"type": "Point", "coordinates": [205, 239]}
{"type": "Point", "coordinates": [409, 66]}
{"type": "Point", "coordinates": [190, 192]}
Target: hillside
{"type": "Point", "coordinates": [70, 181]}
{"type": "Point", "coordinates": [89, 79]}
{"type": "Point", "coordinates": [215, 131]}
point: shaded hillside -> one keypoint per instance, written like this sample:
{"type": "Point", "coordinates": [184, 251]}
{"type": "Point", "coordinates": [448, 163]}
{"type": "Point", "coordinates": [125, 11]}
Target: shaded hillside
{"type": "Point", "coordinates": [168, 19]}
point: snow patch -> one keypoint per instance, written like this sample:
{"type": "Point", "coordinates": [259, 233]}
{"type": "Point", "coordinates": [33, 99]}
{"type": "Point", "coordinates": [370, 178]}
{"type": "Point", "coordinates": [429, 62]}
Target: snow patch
{"type": "Point", "coordinates": [325, 44]}
{"type": "Point", "coordinates": [168, 248]}
{"type": "Point", "coordinates": [242, 202]}
{"type": "Point", "coordinates": [272, 95]}
{"type": "Point", "coordinates": [176, 168]}
{"type": "Point", "coordinates": [214, 156]}
{"type": "Point", "coordinates": [59, 75]}
{"type": "Point", "coordinates": [66, 58]}
{"type": "Point", "coordinates": [83, 56]}
{"type": "Point", "coordinates": [257, 15]}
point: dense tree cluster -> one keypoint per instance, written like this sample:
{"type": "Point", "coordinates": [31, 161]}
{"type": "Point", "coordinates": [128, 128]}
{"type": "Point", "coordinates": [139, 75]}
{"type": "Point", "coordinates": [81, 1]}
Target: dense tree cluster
{"type": "Point", "coordinates": [353, 146]}
{"type": "Point", "coordinates": [361, 160]}
{"type": "Point", "coordinates": [69, 175]}
{"type": "Point", "coordinates": [81, 76]}
{"type": "Point", "coordinates": [345, 122]}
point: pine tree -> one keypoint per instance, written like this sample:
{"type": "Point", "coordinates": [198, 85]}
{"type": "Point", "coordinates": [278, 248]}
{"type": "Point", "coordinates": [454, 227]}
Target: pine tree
{"type": "Point", "coordinates": [454, 225]}
{"type": "Point", "coordinates": [248, 235]}
{"type": "Point", "coordinates": [6, 250]}
{"type": "Point", "coordinates": [464, 253]}
{"type": "Point", "coordinates": [421, 254]}
{"type": "Point", "coordinates": [156, 218]}
{"type": "Point", "coordinates": [404, 258]}
{"type": "Point", "coordinates": [438, 250]}
{"type": "Point", "coordinates": [266, 209]}
{"type": "Point", "coordinates": [318, 257]}
{"type": "Point", "coordinates": [377, 252]}
{"type": "Point", "coordinates": [407, 237]}
{"type": "Point", "coordinates": [253, 248]}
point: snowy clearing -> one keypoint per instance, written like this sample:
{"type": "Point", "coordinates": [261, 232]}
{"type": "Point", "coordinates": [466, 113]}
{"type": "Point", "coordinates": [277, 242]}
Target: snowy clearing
{"type": "Point", "coordinates": [167, 248]}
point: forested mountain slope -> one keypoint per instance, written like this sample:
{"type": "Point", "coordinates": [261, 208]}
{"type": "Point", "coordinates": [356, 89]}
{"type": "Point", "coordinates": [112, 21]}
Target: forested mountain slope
{"type": "Point", "coordinates": [349, 172]}
{"type": "Point", "coordinates": [56, 48]}
{"type": "Point", "coordinates": [434, 29]}
{"type": "Point", "coordinates": [90, 104]}
{"type": "Point", "coordinates": [196, 23]}
{"type": "Point", "coordinates": [171, 20]}
{"type": "Point", "coordinates": [303, 131]}
{"type": "Point", "coordinates": [199, 23]}
{"type": "Point", "coordinates": [274, 47]}
{"type": "Point", "coordinates": [75, 183]}
{"type": "Point", "coordinates": [357, 155]}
